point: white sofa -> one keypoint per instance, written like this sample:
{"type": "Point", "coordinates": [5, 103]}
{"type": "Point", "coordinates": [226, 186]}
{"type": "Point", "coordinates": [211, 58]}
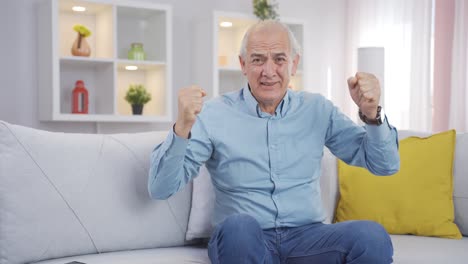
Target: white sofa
{"type": "Point", "coordinates": [83, 197]}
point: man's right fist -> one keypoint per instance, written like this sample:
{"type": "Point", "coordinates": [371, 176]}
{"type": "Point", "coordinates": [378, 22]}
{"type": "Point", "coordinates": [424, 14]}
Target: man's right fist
{"type": "Point", "coordinates": [190, 105]}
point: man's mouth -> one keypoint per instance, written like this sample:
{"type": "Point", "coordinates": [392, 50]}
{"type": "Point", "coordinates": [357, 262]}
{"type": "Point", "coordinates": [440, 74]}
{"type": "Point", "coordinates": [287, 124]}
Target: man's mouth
{"type": "Point", "coordinates": [268, 83]}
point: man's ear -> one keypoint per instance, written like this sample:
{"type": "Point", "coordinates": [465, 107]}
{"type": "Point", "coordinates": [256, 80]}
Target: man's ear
{"type": "Point", "coordinates": [242, 64]}
{"type": "Point", "coordinates": [295, 62]}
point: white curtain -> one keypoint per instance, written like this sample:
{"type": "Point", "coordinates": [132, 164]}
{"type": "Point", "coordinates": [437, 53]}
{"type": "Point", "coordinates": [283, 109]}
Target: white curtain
{"type": "Point", "coordinates": [403, 28]}
{"type": "Point", "coordinates": [459, 90]}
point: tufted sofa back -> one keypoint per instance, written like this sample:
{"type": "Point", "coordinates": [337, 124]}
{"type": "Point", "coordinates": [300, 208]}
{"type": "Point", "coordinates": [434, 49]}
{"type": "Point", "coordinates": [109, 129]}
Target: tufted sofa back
{"type": "Point", "coordinates": [65, 194]}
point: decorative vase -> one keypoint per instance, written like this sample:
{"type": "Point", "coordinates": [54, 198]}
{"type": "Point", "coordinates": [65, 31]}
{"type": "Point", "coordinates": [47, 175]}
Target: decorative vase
{"type": "Point", "coordinates": [136, 52]}
{"type": "Point", "coordinates": [80, 47]}
{"type": "Point", "coordinates": [80, 99]}
{"type": "Point", "coordinates": [137, 109]}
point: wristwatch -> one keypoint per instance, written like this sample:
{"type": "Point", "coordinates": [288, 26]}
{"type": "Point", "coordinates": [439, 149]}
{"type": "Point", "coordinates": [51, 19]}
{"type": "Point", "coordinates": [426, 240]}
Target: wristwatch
{"type": "Point", "coordinates": [378, 119]}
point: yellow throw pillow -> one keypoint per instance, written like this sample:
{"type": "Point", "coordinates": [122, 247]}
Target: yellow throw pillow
{"type": "Point", "coordinates": [417, 200]}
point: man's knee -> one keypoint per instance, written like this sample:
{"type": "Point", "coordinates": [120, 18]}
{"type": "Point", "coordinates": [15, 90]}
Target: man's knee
{"type": "Point", "coordinates": [373, 239]}
{"type": "Point", "coordinates": [370, 231]}
{"type": "Point", "coordinates": [238, 239]}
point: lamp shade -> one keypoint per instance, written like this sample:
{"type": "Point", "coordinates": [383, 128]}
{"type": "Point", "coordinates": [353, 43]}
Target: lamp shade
{"type": "Point", "coordinates": [372, 60]}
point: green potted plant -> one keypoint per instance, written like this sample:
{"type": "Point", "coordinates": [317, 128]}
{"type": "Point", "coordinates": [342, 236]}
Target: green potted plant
{"type": "Point", "coordinates": [265, 9]}
{"type": "Point", "coordinates": [137, 96]}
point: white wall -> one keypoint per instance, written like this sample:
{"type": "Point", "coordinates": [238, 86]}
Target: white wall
{"type": "Point", "coordinates": [18, 68]}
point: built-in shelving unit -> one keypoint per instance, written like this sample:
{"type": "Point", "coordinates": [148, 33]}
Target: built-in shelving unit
{"type": "Point", "coordinates": [114, 26]}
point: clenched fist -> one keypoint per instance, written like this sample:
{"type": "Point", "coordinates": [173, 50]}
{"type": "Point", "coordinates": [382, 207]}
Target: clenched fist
{"type": "Point", "coordinates": [190, 105]}
{"type": "Point", "coordinates": [365, 91]}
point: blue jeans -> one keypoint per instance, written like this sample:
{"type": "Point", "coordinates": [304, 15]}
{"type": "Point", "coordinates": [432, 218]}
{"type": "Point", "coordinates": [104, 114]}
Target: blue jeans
{"type": "Point", "coordinates": [239, 239]}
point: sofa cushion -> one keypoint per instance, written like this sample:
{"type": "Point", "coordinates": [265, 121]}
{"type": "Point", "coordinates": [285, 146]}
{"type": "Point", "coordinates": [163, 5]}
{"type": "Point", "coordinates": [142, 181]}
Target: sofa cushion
{"type": "Point", "coordinates": [460, 176]}
{"type": "Point", "coordinates": [416, 200]}
{"type": "Point", "coordinates": [175, 255]}
{"type": "Point", "coordinates": [407, 250]}
{"type": "Point", "coordinates": [200, 224]}
{"type": "Point", "coordinates": [68, 194]}
{"type": "Point", "coordinates": [429, 250]}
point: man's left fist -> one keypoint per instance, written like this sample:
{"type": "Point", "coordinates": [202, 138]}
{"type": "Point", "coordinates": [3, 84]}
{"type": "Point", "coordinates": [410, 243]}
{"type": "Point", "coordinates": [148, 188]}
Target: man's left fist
{"type": "Point", "coordinates": [365, 91]}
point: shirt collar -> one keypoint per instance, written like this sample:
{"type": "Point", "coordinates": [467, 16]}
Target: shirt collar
{"type": "Point", "coordinates": [254, 108]}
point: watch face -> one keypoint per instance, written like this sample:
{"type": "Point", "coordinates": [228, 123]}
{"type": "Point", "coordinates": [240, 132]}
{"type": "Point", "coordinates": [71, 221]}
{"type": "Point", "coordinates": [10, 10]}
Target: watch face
{"type": "Point", "coordinates": [382, 115]}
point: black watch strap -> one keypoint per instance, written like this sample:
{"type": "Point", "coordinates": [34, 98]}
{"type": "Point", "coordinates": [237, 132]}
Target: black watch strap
{"type": "Point", "coordinates": [377, 121]}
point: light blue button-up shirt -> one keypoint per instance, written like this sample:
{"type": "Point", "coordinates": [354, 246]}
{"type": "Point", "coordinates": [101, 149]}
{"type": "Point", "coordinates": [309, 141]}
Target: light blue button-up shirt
{"type": "Point", "coordinates": [268, 166]}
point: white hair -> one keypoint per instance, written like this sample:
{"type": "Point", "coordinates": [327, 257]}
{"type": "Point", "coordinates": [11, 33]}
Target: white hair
{"type": "Point", "coordinates": [293, 44]}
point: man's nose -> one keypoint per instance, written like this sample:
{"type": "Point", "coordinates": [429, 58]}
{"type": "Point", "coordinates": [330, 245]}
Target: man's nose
{"type": "Point", "coordinates": [269, 69]}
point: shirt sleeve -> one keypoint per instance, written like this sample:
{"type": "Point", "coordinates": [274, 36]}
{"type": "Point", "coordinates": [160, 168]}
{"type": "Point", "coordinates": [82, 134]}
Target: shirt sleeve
{"type": "Point", "coordinates": [177, 160]}
{"type": "Point", "coordinates": [372, 147]}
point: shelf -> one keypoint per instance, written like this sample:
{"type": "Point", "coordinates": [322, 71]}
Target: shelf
{"type": "Point", "coordinates": [152, 76]}
{"type": "Point", "coordinates": [140, 64]}
{"type": "Point", "coordinates": [98, 18]}
{"type": "Point", "coordinates": [230, 39]}
{"type": "Point", "coordinates": [231, 80]}
{"type": "Point", "coordinates": [114, 25]}
{"type": "Point", "coordinates": [110, 118]}
{"type": "Point", "coordinates": [230, 68]}
{"type": "Point", "coordinates": [296, 81]}
{"type": "Point", "coordinates": [98, 77]}
{"type": "Point", "coordinates": [84, 60]}
{"type": "Point", "coordinates": [141, 25]}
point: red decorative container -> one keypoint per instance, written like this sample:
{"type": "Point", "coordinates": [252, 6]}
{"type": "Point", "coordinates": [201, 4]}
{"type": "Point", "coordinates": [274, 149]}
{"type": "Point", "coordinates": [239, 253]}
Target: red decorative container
{"type": "Point", "coordinates": [80, 98]}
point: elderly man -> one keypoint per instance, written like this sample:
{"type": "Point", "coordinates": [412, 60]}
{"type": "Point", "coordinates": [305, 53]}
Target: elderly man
{"type": "Point", "coordinates": [263, 146]}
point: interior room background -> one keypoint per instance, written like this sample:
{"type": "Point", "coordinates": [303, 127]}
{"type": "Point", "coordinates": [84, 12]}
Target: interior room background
{"type": "Point", "coordinates": [425, 41]}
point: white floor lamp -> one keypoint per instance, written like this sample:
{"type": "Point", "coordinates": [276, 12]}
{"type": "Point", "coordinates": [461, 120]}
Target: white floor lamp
{"type": "Point", "coordinates": [372, 60]}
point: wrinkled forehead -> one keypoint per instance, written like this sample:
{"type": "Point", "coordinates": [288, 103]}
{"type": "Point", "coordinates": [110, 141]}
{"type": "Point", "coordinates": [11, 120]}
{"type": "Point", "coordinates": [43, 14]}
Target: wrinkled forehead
{"type": "Point", "coordinates": [268, 38]}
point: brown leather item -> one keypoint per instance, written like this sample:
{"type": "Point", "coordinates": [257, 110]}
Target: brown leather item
{"type": "Point", "coordinates": [377, 121]}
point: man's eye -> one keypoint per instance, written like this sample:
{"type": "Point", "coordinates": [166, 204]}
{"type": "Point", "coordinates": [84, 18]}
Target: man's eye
{"type": "Point", "coordinates": [256, 60]}
{"type": "Point", "coordinates": [280, 59]}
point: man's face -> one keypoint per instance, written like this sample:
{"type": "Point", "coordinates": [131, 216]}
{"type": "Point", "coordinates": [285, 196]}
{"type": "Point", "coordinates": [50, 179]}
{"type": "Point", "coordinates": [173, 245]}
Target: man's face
{"type": "Point", "coordinates": [268, 64]}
